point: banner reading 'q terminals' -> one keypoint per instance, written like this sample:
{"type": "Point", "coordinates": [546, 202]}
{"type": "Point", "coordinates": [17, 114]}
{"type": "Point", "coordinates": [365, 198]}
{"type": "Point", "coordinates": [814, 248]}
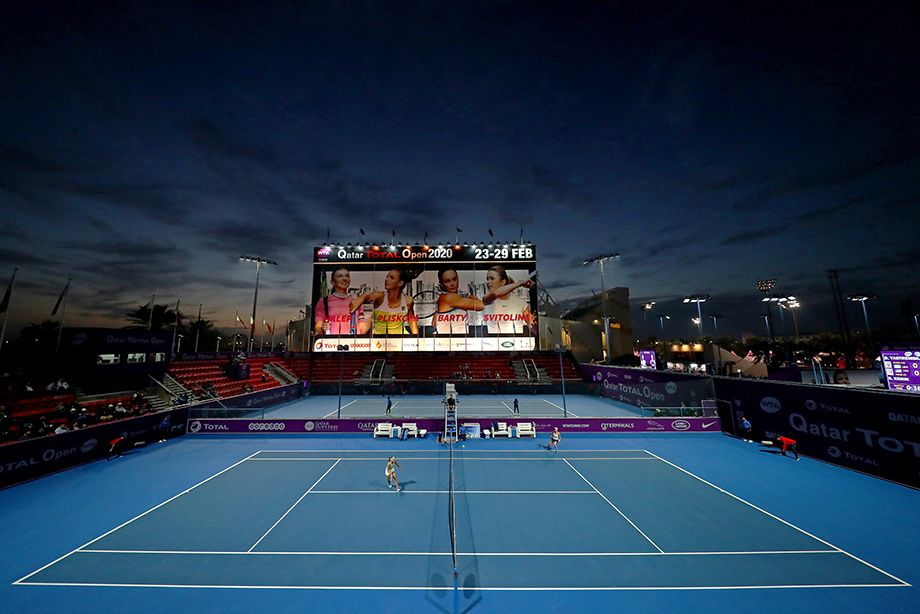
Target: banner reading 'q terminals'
{"type": "Point", "coordinates": [424, 298]}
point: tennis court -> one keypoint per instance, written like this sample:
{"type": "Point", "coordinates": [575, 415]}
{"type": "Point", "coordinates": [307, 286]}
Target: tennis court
{"type": "Point", "coordinates": [471, 406]}
{"type": "Point", "coordinates": [615, 515]}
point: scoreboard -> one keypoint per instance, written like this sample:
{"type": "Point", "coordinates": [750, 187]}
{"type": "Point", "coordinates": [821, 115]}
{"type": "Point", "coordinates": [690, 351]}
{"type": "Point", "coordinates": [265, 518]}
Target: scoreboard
{"type": "Point", "coordinates": [425, 298]}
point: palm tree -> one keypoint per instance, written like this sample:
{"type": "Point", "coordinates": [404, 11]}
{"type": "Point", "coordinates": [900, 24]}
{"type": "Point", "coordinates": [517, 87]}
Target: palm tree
{"type": "Point", "coordinates": [164, 318]}
{"type": "Point", "coordinates": [207, 335]}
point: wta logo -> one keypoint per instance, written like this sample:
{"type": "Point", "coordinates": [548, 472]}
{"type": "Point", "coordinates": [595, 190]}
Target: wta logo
{"type": "Point", "coordinates": [771, 405]}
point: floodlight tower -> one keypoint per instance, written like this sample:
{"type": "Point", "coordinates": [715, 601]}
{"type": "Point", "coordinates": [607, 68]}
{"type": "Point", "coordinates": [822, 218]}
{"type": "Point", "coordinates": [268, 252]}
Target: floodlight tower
{"type": "Point", "coordinates": [600, 261]}
{"type": "Point", "coordinates": [260, 262]}
{"type": "Point", "coordinates": [862, 299]}
{"type": "Point", "coordinates": [698, 299]}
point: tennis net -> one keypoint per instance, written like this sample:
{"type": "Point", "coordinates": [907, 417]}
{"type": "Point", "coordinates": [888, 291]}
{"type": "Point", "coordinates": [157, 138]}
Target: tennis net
{"type": "Point", "coordinates": [452, 510]}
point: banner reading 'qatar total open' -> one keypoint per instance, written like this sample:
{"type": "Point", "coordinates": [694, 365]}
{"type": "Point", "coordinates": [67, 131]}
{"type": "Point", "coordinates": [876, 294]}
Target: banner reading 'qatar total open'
{"type": "Point", "coordinates": [454, 298]}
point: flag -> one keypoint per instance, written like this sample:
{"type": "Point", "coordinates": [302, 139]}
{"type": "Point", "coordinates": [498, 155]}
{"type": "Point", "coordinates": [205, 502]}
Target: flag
{"type": "Point", "coordinates": [240, 320]}
{"type": "Point", "coordinates": [426, 238]}
{"type": "Point", "coordinates": [362, 232]}
{"type": "Point", "coordinates": [5, 302]}
{"type": "Point", "coordinates": [490, 233]}
{"type": "Point", "coordinates": [459, 229]}
{"type": "Point", "coordinates": [271, 329]}
{"type": "Point", "coordinates": [57, 305]}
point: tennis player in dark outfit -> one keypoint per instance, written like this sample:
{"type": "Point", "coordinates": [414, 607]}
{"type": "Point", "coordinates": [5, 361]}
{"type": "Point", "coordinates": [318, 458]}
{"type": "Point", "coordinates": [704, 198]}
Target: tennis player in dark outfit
{"type": "Point", "coordinates": [745, 429]}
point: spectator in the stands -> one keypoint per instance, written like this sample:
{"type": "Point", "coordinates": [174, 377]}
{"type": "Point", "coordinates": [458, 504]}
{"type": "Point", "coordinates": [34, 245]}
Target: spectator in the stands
{"type": "Point", "coordinates": [121, 411]}
{"type": "Point", "coordinates": [108, 413]}
{"type": "Point", "coordinates": [26, 431]}
{"type": "Point", "coordinates": [61, 428]}
{"type": "Point", "coordinates": [83, 419]}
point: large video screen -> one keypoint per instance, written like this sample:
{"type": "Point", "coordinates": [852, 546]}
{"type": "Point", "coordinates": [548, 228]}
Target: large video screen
{"type": "Point", "coordinates": [408, 299]}
{"type": "Point", "coordinates": [902, 369]}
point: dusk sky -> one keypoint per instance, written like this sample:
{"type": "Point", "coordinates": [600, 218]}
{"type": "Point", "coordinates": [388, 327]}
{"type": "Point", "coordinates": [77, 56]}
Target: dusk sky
{"type": "Point", "coordinates": [145, 146]}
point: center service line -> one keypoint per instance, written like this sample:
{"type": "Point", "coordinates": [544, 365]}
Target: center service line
{"type": "Point", "coordinates": [613, 506]}
{"type": "Point", "coordinates": [293, 506]}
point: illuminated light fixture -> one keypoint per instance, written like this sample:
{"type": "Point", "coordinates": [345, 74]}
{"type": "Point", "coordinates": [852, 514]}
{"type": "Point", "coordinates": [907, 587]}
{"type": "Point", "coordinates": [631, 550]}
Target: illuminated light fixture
{"type": "Point", "coordinates": [456, 247]}
{"type": "Point", "coordinates": [777, 299]}
{"type": "Point", "coordinates": [698, 299]}
{"type": "Point", "coordinates": [647, 306]}
{"type": "Point", "coordinates": [765, 285]}
{"type": "Point", "coordinates": [426, 247]}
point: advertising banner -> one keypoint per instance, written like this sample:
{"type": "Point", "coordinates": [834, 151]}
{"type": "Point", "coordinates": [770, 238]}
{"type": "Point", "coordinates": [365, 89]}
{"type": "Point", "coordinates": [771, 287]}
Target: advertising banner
{"type": "Point", "coordinates": [32, 458]}
{"type": "Point", "coordinates": [875, 432]}
{"type": "Point", "coordinates": [236, 426]}
{"type": "Point", "coordinates": [424, 298]}
{"type": "Point", "coordinates": [646, 388]}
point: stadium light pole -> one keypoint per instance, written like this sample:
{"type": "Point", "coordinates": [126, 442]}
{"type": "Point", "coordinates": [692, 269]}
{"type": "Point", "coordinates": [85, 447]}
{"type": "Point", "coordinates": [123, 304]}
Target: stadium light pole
{"type": "Point", "coordinates": [792, 306]}
{"type": "Point", "coordinates": [307, 326]}
{"type": "Point", "coordinates": [645, 309]}
{"type": "Point", "coordinates": [341, 349]}
{"type": "Point", "coordinates": [698, 299]}
{"type": "Point", "coordinates": [600, 261]}
{"type": "Point", "coordinates": [661, 318]}
{"type": "Point", "coordinates": [765, 285]}
{"type": "Point", "coordinates": [715, 323]}
{"type": "Point", "coordinates": [260, 262]}
{"type": "Point", "coordinates": [917, 323]}
{"type": "Point", "coordinates": [862, 298]}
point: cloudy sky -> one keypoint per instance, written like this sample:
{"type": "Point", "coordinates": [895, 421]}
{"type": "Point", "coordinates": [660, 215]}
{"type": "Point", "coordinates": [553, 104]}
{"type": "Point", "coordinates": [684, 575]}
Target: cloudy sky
{"type": "Point", "coordinates": [145, 146]}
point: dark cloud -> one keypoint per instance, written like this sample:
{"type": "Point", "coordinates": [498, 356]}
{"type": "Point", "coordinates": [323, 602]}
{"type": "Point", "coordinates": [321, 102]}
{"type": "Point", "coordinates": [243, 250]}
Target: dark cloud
{"type": "Point", "coordinates": [755, 234]}
{"type": "Point", "coordinates": [846, 171]}
{"type": "Point", "coordinates": [213, 140]}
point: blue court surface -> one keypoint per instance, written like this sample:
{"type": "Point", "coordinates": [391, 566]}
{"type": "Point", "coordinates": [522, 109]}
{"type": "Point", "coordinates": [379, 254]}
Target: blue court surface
{"type": "Point", "coordinates": [663, 523]}
{"type": "Point", "coordinates": [470, 406]}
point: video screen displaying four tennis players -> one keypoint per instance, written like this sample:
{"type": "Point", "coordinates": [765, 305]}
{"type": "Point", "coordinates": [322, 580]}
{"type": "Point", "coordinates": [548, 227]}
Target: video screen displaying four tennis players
{"type": "Point", "coordinates": [417, 305]}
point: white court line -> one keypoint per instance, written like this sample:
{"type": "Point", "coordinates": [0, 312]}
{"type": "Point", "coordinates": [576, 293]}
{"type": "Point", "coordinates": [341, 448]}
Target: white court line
{"type": "Point", "coordinates": [568, 411]}
{"type": "Point", "coordinates": [459, 492]}
{"type": "Point", "coordinates": [471, 459]}
{"type": "Point", "coordinates": [465, 588]}
{"type": "Point", "coordinates": [386, 553]}
{"type": "Point", "coordinates": [759, 509]}
{"type": "Point", "coordinates": [92, 541]}
{"type": "Point", "coordinates": [614, 506]}
{"type": "Point", "coordinates": [404, 451]}
{"type": "Point", "coordinates": [337, 410]}
{"type": "Point", "coordinates": [264, 535]}
{"type": "Point", "coordinates": [508, 407]}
